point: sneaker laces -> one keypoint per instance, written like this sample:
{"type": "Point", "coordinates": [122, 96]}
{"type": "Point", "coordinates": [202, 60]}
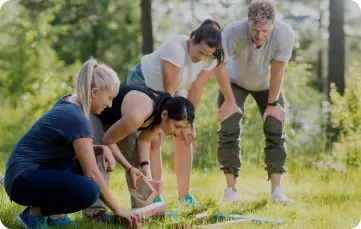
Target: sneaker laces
{"type": "Point", "coordinates": [190, 200]}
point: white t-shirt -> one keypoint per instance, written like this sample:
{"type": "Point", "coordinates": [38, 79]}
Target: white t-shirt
{"type": "Point", "coordinates": [249, 67]}
{"type": "Point", "coordinates": [174, 51]}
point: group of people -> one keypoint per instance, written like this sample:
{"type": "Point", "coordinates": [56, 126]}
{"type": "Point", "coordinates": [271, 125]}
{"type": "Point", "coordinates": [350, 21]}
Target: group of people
{"type": "Point", "coordinates": [62, 164]}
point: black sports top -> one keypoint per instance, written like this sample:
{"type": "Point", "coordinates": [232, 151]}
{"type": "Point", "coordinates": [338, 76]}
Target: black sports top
{"type": "Point", "coordinates": [113, 114]}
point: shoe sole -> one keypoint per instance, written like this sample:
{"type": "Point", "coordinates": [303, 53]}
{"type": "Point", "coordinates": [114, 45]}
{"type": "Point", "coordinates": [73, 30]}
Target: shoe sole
{"type": "Point", "coordinates": [283, 203]}
{"type": "Point", "coordinates": [155, 209]}
{"type": "Point", "coordinates": [230, 200]}
{"type": "Point", "coordinates": [21, 222]}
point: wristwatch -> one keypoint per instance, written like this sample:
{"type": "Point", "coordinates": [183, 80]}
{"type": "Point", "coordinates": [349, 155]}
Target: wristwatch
{"type": "Point", "coordinates": [273, 104]}
{"type": "Point", "coordinates": [144, 163]}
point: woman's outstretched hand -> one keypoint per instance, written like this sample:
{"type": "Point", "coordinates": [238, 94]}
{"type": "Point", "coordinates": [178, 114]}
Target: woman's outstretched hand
{"type": "Point", "coordinates": [134, 173]}
{"type": "Point", "coordinates": [133, 219]}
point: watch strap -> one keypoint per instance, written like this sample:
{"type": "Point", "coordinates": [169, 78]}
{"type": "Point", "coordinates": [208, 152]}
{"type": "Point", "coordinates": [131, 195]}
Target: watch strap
{"type": "Point", "coordinates": [143, 163]}
{"type": "Point", "coordinates": [275, 103]}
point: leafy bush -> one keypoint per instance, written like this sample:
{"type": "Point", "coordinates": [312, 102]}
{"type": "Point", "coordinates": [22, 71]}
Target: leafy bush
{"type": "Point", "coordinates": [345, 115]}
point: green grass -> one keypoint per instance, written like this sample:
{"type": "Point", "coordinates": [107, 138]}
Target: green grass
{"type": "Point", "coordinates": [323, 199]}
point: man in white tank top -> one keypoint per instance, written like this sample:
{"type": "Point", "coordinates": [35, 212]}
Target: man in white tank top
{"type": "Point", "coordinates": [256, 52]}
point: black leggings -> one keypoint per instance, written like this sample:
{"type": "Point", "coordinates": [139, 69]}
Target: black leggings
{"type": "Point", "coordinates": [55, 189]}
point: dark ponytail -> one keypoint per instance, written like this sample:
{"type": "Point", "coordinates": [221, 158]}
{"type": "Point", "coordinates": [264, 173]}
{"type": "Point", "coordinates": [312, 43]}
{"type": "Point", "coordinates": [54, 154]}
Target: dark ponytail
{"type": "Point", "coordinates": [210, 33]}
{"type": "Point", "coordinates": [178, 108]}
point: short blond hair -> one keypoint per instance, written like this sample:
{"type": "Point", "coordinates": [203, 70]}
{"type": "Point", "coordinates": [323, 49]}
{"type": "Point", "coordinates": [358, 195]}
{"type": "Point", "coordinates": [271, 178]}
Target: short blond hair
{"type": "Point", "coordinates": [93, 75]}
{"type": "Point", "coordinates": [261, 12]}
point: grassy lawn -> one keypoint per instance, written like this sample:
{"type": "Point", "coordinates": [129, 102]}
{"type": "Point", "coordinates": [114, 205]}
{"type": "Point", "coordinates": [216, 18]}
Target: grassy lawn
{"type": "Point", "coordinates": [322, 200]}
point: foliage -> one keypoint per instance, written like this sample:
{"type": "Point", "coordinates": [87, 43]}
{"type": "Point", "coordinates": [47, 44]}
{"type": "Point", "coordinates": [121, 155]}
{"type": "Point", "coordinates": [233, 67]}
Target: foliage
{"type": "Point", "coordinates": [106, 29]}
{"type": "Point", "coordinates": [26, 56]}
{"type": "Point", "coordinates": [32, 77]}
{"type": "Point", "coordinates": [346, 116]}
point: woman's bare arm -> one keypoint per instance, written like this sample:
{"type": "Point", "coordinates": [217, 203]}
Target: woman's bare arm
{"type": "Point", "coordinates": [84, 150]}
{"type": "Point", "coordinates": [143, 147]}
{"type": "Point", "coordinates": [143, 143]}
{"type": "Point", "coordinates": [136, 108]}
{"type": "Point", "coordinates": [171, 77]}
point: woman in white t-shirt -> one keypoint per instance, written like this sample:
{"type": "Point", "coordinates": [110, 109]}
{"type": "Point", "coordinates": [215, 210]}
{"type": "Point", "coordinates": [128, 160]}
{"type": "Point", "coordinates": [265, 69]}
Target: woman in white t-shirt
{"type": "Point", "coordinates": [181, 62]}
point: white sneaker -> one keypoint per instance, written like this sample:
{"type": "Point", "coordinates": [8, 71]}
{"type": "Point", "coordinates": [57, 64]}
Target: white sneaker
{"type": "Point", "coordinates": [229, 195]}
{"type": "Point", "coordinates": [279, 196]}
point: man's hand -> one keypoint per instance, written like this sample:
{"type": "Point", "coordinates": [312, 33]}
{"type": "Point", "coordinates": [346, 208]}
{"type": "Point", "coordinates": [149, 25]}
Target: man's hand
{"type": "Point", "coordinates": [108, 159]}
{"type": "Point", "coordinates": [275, 111]}
{"type": "Point", "coordinates": [227, 109]}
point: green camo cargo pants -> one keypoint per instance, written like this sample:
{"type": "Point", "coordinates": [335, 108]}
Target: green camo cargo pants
{"type": "Point", "coordinates": [229, 135]}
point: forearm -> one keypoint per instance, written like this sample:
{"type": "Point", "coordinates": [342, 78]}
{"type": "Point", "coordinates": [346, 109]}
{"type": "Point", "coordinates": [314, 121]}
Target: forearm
{"type": "Point", "coordinates": [275, 84]}
{"type": "Point", "coordinates": [195, 95]}
{"type": "Point", "coordinates": [119, 157]}
{"type": "Point", "coordinates": [106, 196]}
{"type": "Point", "coordinates": [170, 86]}
{"type": "Point", "coordinates": [143, 150]}
{"type": "Point", "coordinates": [143, 143]}
{"type": "Point", "coordinates": [224, 83]}
{"type": "Point", "coordinates": [197, 88]}
{"type": "Point", "coordinates": [171, 76]}
{"type": "Point", "coordinates": [83, 148]}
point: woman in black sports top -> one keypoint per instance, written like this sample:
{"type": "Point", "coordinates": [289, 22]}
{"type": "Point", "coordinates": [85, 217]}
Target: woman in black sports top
{"type": "Point", "coordinates": [136, 108]}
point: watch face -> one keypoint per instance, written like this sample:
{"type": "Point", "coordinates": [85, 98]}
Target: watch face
{"type": "Point", "coordinates": [273, 104]}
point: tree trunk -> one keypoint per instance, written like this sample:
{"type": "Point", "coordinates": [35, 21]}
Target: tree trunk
{"type": "Point", "coordinates": [336, 53]}
{"type": "Point", "coordinates": [147, 28]}
{"type": "Point", "coordinates": [320, 71]}
{"type": "Point", "coordinates": [320, 53]}
{"type": "Point", "coordinates": [336, 57]}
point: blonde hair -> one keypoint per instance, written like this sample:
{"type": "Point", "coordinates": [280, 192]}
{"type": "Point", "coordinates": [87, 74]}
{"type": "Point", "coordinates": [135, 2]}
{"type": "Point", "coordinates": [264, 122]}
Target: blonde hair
{"type": "Point", "coordinates": [93, 75]}
{"type": "Point", "coordinates": [260, 12]}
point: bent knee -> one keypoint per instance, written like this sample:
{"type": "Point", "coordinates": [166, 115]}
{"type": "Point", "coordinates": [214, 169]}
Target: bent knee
{"type": "Point", "coordinates": [90, 194]}
{"type": "Point", "coordinates": [230, 126]}
{"type": "Point", "coordinates": [272, 127]}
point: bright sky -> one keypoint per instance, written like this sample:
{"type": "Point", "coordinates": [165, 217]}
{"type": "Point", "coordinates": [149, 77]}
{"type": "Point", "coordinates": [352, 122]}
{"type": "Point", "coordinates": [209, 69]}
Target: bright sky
{"type": "Point", "coordinates": [355, 6]}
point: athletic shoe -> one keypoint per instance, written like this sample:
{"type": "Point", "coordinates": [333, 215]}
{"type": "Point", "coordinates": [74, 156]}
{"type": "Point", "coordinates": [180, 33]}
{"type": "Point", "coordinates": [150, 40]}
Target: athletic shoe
{"type": "Point", "coordinates": [189, 201]}
{"type": "Point", "coordinates": [230, 196]}
{"type": "Point", "coordinates": [62, 222]}
{"type": "Point", "coordinates": [279, 196]}
{"type": "Point", "coordinates": [33, 222]}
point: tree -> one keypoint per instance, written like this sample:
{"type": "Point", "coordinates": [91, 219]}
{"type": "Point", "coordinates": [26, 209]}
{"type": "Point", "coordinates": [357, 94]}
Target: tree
{"type": "Point", "coordinates": [28, 64]}
{"type": "Point", "coordinates": [109, 30]}
{"type": "Point", "coordinates": [147, 28]}
{"type": "Point", "coordinates": [336, 57]}
{"type": "Point", "coordinates": [336, 53]}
